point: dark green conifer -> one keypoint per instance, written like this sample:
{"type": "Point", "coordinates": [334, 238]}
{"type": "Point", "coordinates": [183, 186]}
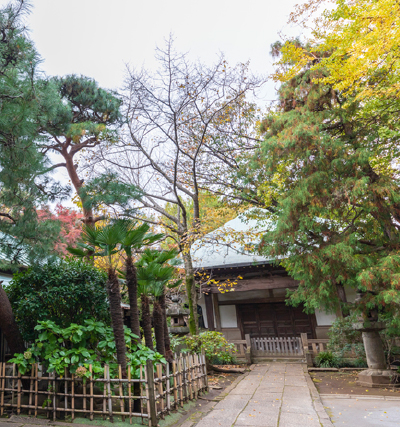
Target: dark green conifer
{"type": "Point", "coordinates": [337, 201]}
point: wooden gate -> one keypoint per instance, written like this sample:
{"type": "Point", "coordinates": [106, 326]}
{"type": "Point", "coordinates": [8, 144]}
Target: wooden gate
{"type": "Point", "coordinates": [274, 346]}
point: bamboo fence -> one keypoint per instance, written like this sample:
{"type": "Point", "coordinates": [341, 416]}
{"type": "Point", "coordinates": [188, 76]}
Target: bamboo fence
{"type": "Point", "coordinates": [158, 390]}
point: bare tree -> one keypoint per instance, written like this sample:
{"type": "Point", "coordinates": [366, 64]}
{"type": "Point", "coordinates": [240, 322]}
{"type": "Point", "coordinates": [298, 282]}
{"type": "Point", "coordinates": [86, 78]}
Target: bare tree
{"type": "Point", "coordinates": [185, 126]}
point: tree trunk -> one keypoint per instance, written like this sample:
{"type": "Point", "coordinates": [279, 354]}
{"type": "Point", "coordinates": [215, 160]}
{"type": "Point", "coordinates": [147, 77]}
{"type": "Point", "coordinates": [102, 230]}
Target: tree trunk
{"type": "Point", "coordinates": [9, 326]}
{"type": "Point", "coordinates": [88, 217]}
{"type": "Point", "coordinates": [169, 355]}
{"type": "Point", "coordinates": [117, 321]}
{"type": "Point", "coordinates": [191, 293]}
{"type": "Point", "coordinates": [146, 318]}
{"type": "Point", "coordinates": [158, 319]}
{"type": "Point", "coordinates": [131, 283]}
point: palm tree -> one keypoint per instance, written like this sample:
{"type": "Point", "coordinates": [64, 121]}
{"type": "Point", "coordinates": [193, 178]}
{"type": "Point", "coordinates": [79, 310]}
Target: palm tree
{"type": "Point", "coordinates": [153, 275]}
{"type": "Point", "coordinates": [135, 238]}
{"type": "Point", "coordinates": [104, 242]}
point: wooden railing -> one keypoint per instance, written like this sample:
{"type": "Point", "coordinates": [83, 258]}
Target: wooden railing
{"type": "Point", "coordinates": [243, 348]}
{"type": "Point", "coordinates": [314, 346]}
{"type": "Point", "coordinates": [274, 346]}
{"type": "Point", "coordinates": [158, 390]}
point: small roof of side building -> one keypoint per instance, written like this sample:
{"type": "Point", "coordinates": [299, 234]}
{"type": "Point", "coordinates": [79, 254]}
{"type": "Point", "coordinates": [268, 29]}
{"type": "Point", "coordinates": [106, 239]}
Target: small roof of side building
{"type": "Point", "coordinates": [224, 247]}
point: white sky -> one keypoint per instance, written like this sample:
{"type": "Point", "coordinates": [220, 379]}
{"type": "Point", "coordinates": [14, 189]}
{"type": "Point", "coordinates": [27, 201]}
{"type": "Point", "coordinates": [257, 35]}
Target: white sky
{"type": "Point", "coordinates": [97, 38]}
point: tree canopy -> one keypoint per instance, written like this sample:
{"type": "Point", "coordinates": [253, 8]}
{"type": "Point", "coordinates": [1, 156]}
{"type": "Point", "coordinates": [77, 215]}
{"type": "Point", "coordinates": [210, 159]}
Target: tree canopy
{"type": "Point", "coordinates": [336, 208]}
{"type": "Point", "coordinates": [24, 181]}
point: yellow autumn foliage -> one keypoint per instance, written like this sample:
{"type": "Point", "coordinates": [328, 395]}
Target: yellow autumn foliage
{"type": "Point", "coordinates": [363, 41]}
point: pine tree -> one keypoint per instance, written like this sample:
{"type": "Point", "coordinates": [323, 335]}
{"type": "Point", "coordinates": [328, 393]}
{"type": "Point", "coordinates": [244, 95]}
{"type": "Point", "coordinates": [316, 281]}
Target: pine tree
{"type": "Point", "coordinates": [24, 184]}
{"type": "Point", "coordinates": [83, 116]}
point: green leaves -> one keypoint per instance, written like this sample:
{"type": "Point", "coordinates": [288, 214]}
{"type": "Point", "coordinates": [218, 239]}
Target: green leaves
{"type": "Point", "coordinates": [62, 292]}
{"type": "Point", "coordinates": [80, 346]}
{"type": "Point", "coordinates": [24, 185]}
{"type": "Point", "coordinates": [108, 190]}
{"type": "Point", "coordinates": [215, 346]}
{"type": "Point", "coordinates": [337, 200]}
{"type": "Point", "coordinates": [154, 271]}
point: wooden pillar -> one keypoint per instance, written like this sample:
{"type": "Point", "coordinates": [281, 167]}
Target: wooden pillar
{"type": "Point", "coordinates": [216, 311]}
{"type": "Point", "coordinates": [209, 311]}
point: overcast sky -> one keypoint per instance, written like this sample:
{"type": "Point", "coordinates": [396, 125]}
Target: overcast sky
{"type": "Point", "coordinates": [97, 38]}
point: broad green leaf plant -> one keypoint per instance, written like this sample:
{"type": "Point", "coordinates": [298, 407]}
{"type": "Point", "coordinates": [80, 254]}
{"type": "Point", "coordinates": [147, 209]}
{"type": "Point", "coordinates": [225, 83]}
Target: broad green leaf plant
{"type": "Point", "coordinates": [78, 346]}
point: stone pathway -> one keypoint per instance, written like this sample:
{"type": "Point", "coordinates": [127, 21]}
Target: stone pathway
{"type": "Point", "coordinates": [271, 395]}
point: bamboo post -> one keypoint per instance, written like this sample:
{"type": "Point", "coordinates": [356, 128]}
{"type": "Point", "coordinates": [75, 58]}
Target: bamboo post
{"type": "Point", "coordinates": [194, 378]}
{"type": "Point", "coordinates": [189, 377]}
{"type": "Point", "coordinates": [203, 357]}
{"type": "Point", "coordinates": [13, 386]}
{"type": "Point", "coordinates": [176, 402]}
{"type": "Point", "coordinates": [3, 374]}
{"type": "Point", "coordinates": [140, 388]}
{"type": "Point", "coordinates": [130, 393]}
{"type": "Point", "coordinates": [196, 374]}
{"type": "Point", "coordinates": [184, 379]}
{"type": "Point", "coordinates": [150, 394]}
{"type": "Point", "coordinates": [65, 390]}
{"type": "Point", "coordinates": [73, 397]}
{"type": "Point", "coordinates": [31, 381]}
{"type": "Point", "coordinates": [91, 391]}
{"type": "Point", "coordinates": [36, 370]}
{"type": "Point", "coordinates": [160, 388]}
{"type": "Point", "coordinates": [54, 397]}
{"type": "Point", "coordinates": [84, 396]}
{"type": "Point", "coordinates": [121, 400]}
{"type": "Point", "coordinates": [180, 380]}
{"type": "Point", "coordinates": [105, 394]}
{"type": "Point", "coordinates": [192, 375]}
{"type": "Point", "coordinates": [19, 393]}
{"type": "Point", "coordinates": [167, 388]}
{"type": "Point", "coordinates": [107, 367]}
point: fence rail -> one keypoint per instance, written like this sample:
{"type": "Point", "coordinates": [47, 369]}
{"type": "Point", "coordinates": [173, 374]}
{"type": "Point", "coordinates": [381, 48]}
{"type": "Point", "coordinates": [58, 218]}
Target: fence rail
{"type": "Point", "coordinates": [157, 390]}
{"type": "Point", "coordinates": [314, 346]}
{"type": "Point", "coordinates": [274, 346]}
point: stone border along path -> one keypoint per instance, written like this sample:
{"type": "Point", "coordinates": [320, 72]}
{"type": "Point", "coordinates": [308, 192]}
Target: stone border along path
{"type": "Point", "coordinates": [270, 395]}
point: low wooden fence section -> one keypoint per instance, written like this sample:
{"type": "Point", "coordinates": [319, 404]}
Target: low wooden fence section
{"type": "Point", "coordinates": [314, 346]}
{"type": "Point", "coordinates": [157, 390]}
{"type": "Point", "coordinates": [274, 346]}
{"type": "Point", "coordinates": [243, 349]}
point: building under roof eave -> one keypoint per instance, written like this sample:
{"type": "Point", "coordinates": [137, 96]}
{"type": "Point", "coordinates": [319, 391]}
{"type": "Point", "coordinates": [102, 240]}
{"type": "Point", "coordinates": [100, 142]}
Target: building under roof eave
{"type": "Point", "coordinates": [248, 291]}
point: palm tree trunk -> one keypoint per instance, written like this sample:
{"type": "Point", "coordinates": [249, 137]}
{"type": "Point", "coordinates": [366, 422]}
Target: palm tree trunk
{"type": "Point", "coordinates": [9, 326]}
{"type": "Point", "coordinates": [169, 355]}
{"type": "Point", "coordinates": [117, 321]}
{"type": "Point", "coordinates": [158, 319]}
{"type": "Point", "coordinates": [131, 283]}
{"type": "Point", "coordinates": [146, 318]}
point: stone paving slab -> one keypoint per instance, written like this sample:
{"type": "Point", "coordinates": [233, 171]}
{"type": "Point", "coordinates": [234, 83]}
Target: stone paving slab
{"type": "Point", "coordinates": [298, 420]}
{"type": "Point", "coordinates": [271, 395]}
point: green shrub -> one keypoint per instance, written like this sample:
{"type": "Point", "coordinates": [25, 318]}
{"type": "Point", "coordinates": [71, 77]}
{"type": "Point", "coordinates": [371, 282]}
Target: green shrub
{"type": "Point", "coordinates": [215, 346]}
{"type": "Point", "coordinates": [64, 292]}
{"type": "Point", "coordinates": [344, 340]}
{"type": "Point", "coordinates": [326, 359]}
{"type": "Point", "coordinates": [78, 346]}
